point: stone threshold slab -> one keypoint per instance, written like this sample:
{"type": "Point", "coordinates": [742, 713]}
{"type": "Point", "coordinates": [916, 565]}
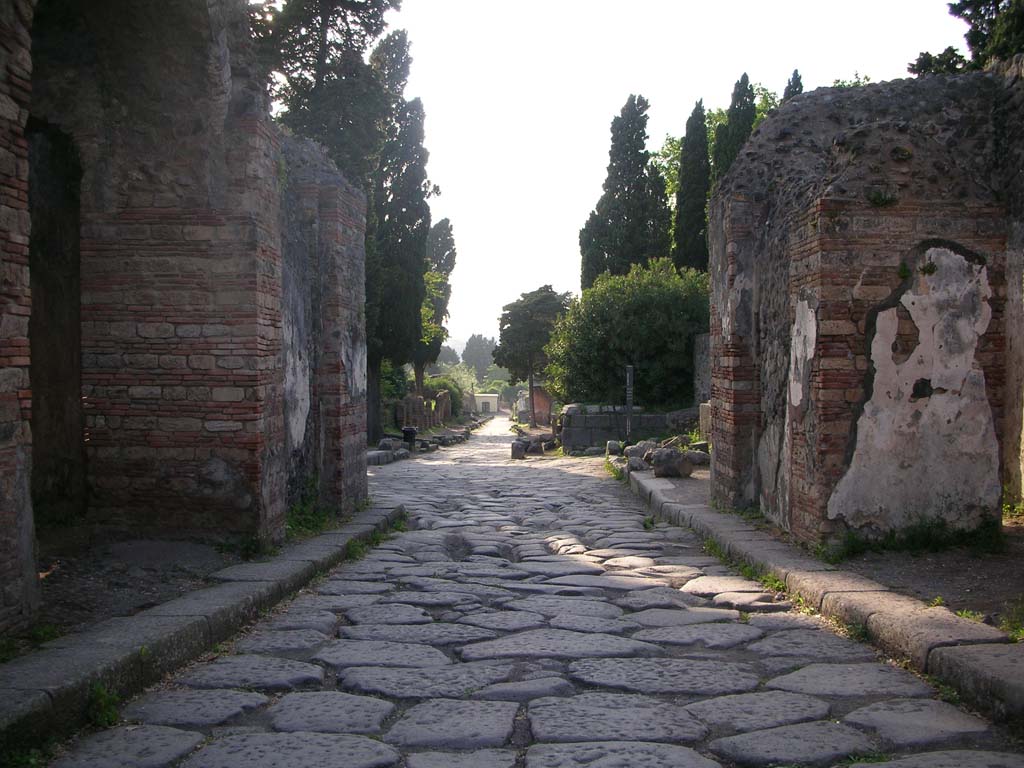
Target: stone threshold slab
{"type": "Point", "coordinates": [47, 693]}
{"type": "Point", "coordinates": [977, 660]}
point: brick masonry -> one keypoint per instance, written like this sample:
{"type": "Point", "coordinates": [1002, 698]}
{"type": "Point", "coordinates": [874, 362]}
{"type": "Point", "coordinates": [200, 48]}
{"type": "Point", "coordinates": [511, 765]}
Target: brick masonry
{"type": "Point", "coordinates": [191, 394]}
{"type": "Point", "coordinates": [823, 237]}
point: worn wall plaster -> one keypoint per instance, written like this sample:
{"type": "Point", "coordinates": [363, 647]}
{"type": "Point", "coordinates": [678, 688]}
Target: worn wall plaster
{"type": "Point", "coordinates": [925, 443]}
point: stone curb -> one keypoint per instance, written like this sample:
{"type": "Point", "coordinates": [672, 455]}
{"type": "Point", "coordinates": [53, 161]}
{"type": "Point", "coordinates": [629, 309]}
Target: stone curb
{"type": "Point", "coordinates": [977, 660]}
{"type": "Point", "coordinates": [47, 693]}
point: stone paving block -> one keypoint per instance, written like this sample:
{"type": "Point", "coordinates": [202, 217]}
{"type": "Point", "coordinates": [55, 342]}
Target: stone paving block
{"type": "Point", "coordinates": [593, 624]}
{"type": "Point", "coordinates": [417, 683]}
{"type": "Point", "coordinates": [557, 644]}
{"type": "Point", "coordinates": [757, 711]}
{"type": "Point", "coordinates": [343, 587]}
{"type": "Point", "coordinates": [709, 635]}
{"type": "Point", "coordinates": [615, 754]}
{"type": "Point", "coordinates": [144, 746]}
{"type": "Point", "coordinates": [329, 712]}
{"type": "Point", "coordinates": [817, 644]}
{"type": "Point", "coordinates": [751, 602]}
{"type": "Point", "coordinates": [482, 758]}
{"type": "Point", "coordinates": [193, 708]}
{"type": "Point", "coordinates": [654, 676]}
{"type": "Point", "coordinates": [960, 758]}
{"type": "Point", "coordinates": [709, 586]}
{"type": "Point", "coordinates": [915, 633]}
{"type": "Point", "coordinates": [680, 617]}
{"type": "Point", "coordinates": [431, 599]}
{"type": "Point", "coordinates": [388, 613]}
{"type": "Point", "coordinates": [659, 597]}
{"type": "Point", "coordinates": [294, 750]}
{"type": "Point", "coordinates": [526, 690]}
{"type": "Point", "coordinates": [484, 591]}
{"type": "Point", "coordinates": [438, 633]}
{"type": "Point", "coordinates": [610, 581]}
{"type": "Point", "coordinates": [562, 567]}
{"type": "Point", "coordinates": [990, 676]}
{"type": "Point", "coordinates": [281, 641]}
{"type": "Point", "coordinates": [772, 622]}
{"type": "Point", "coordinates": [20, 711]}
{"type": "Point", "coordinates": [818, 743]}
{"type": "Point", "coordinates": [340, 654]}
{"type": "Point", "coordinates": [851, 680]}
{"type": "Point", "coordinates": [916, 722]}
{"type": "Point", "coordinates": [262, 673]}
{"type": "Point", "coordinates": [510, 621]}
{"type": "Point", "coordinates": [557, 606]}
{"type": "Point", "coordinates": [612, 717]}
{"type": "Point", "coordinates": [322, 621]}
{"type": "Point", "coordinates": [453, 724]}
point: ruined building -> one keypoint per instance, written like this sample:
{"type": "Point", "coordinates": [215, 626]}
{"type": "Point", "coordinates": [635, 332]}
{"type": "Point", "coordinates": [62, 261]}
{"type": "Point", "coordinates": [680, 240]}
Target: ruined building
{"type": "Point", "coordinates": [182, 347]}
{"type": "Point", "coordinates": [867, 354]}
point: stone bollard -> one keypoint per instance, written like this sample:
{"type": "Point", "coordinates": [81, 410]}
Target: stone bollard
{"type": "Point", "coordinates": [668, 462]}
{"type": "Point", "coordinates": [518, 449]}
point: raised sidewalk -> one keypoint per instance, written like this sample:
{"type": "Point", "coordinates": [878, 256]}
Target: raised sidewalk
{"type": "Point", "coordinates": [977, 660]}
{"type": "Point", "coordinates": [48, 693]}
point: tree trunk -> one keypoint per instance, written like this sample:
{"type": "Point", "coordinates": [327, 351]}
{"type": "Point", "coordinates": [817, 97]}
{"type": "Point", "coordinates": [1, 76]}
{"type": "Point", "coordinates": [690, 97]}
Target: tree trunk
{"type": "Point", "coordinates": [418, 373]}
{"type": "Point", "coordinates": [374, 429]}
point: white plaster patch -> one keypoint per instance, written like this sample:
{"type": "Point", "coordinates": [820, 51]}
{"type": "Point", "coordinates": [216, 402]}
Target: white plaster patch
{"type": "Point", "coordinates": [354, 355]}
{"type": "Point", "coordinates": [926, 445]}
{"type": "Point", "coordinates": [296, 382]}
{"type": "Point", "coordinates": [801, 350]}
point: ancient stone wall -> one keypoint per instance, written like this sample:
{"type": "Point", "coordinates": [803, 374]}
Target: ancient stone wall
{"type": "Point", "coordinates": [18, 587]}
{"type": "Point", "coordinates": [197, 330]}
{"type": "Point", "coordinates": [702, 368]}
{"type": "Point", "coordinates": [587, 426]}
{"type": "Point", "coordinates": [858, 258]}
{"type": "Point", "coordinates": [323, 329]}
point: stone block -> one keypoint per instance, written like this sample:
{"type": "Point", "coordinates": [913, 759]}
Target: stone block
{"type": "Point", "coordinates": [915, 633]}
{"type": "Point", "coordinates": [990, 676]}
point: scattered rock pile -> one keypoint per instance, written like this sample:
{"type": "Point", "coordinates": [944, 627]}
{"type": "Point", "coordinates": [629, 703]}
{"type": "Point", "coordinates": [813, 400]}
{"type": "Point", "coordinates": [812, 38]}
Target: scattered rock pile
{"type": "Point", "coordinates": [674, 457]}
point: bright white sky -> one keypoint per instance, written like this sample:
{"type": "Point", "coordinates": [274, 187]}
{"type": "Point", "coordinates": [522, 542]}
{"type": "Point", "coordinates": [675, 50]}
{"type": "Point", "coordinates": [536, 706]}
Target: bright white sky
{"type": "Point", "coordinates": [519, 98]}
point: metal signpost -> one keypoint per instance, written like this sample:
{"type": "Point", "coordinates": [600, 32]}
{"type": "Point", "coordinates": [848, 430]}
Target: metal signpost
{"type": "Point", "coordinates": [629, 402]}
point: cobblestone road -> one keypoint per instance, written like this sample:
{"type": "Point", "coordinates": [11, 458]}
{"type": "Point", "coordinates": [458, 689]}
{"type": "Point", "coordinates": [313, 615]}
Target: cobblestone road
{"type": "Point", "coordinates": [528, 618]}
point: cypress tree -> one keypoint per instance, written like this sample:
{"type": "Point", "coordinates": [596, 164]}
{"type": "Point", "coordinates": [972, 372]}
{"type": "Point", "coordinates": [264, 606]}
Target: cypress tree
{"type": "Point", "coordinates": [794, 87]}
{"type": "Point", "coordinates": [730, 138]}
{"type": "Point", "coordinates": [691, 245]}
{"type": "Point", "coordinates": [630, 224]}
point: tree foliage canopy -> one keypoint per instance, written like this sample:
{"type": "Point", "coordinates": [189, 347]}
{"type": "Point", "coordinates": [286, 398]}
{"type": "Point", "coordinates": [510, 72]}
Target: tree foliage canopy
{"type": "Point", "coordinates": [694, 173]}
{"type": "Point", "coordinates": [646, 319]}
{"type": "Point", "coordinates": [996, 31]}
{"type": "Point", "coordinates": [440, 262]}
{"type": "Point", "coordinates": [477, 354]}
{"type": "Point", "coordinates": [630, 224]}
{"type": "Point", "coordinates": [525, 328]}
{"type": "Point", "coordinates": [794, 86]}
{"type": "Point", "coordinates": [739, 122]}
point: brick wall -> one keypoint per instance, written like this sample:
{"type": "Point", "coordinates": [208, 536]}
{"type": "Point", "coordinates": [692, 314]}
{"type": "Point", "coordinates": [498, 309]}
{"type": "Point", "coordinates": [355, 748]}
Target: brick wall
{"type": "Point", "coordinates": [18, 588]}
{"type": "Point", "coordinates": [870, 213]}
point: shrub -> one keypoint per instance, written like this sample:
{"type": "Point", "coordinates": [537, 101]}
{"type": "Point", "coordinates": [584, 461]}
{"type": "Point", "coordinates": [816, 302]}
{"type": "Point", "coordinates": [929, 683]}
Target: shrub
{"type": "Point", "coordinates": [647, 319]}
{"type": "Point", "coordinates": [435, 384]}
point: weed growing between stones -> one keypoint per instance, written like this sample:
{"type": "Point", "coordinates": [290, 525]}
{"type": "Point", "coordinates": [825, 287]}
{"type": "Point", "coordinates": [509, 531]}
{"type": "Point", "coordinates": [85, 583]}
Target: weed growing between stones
{"type": "Point", "coordinates": [307, 516]}
{"type": "Point", "coordinates": [649, 523]}
{"type": "Point", "coordinates": [947, 693]}
{"type": "Point", "coordinates": [101, 709]}
{"type": "Point", "coordinates": [1013, 508]}
{"type": "Point", "coordinates": [355, 550]}
{"type": "Point", "coordinates": [922, 536]}
{"type": "Point", "coordinates": [937, 602]}
{"type": "Point", "coordinates": [615, 472]}
{"type": "Point", "coordinates": [1012, 620]}
{"type": "Point", "coordinates": [965, 613]}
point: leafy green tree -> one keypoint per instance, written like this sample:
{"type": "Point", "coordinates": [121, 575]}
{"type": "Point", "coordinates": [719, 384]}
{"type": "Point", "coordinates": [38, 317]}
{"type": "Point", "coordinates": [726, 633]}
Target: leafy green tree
{"type": "Point", "coordinates": [666, 160]}
{"type": "Point", "coordinates": [477, 354]}
{"type": "Point", "coordinates": [398, 224]}
{"type": "Point", "coordinates": [647, 319]}
{"type": "Point", "coordinates": [739, 122]}
{"type": "Point", "coordinates": [525, 327]}
{"type": "Point", "coordinates": [447, 356]}
{"type": "Point", "coordinates": [767, 101]}
{"type": "Point", "coordinates": [630, 224]}
{"type": "Point", "coordinates": [794, 86]}
{"type": "Point", "coordinates": [440, 257]}
{"type": "Point", "coordinates": [949, 62]}
{"type": "Point", "coordinates": [328, 90]}
{"type": "Point", "coordinates": [855, 82]}
{"type": "Point", "coordinates": [691, 223]}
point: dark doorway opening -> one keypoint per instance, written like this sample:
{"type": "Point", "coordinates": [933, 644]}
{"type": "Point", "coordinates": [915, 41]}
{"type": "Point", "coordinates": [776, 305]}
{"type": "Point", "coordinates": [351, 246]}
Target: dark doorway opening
{"type": "Point", "coordinates": [55, 330]}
